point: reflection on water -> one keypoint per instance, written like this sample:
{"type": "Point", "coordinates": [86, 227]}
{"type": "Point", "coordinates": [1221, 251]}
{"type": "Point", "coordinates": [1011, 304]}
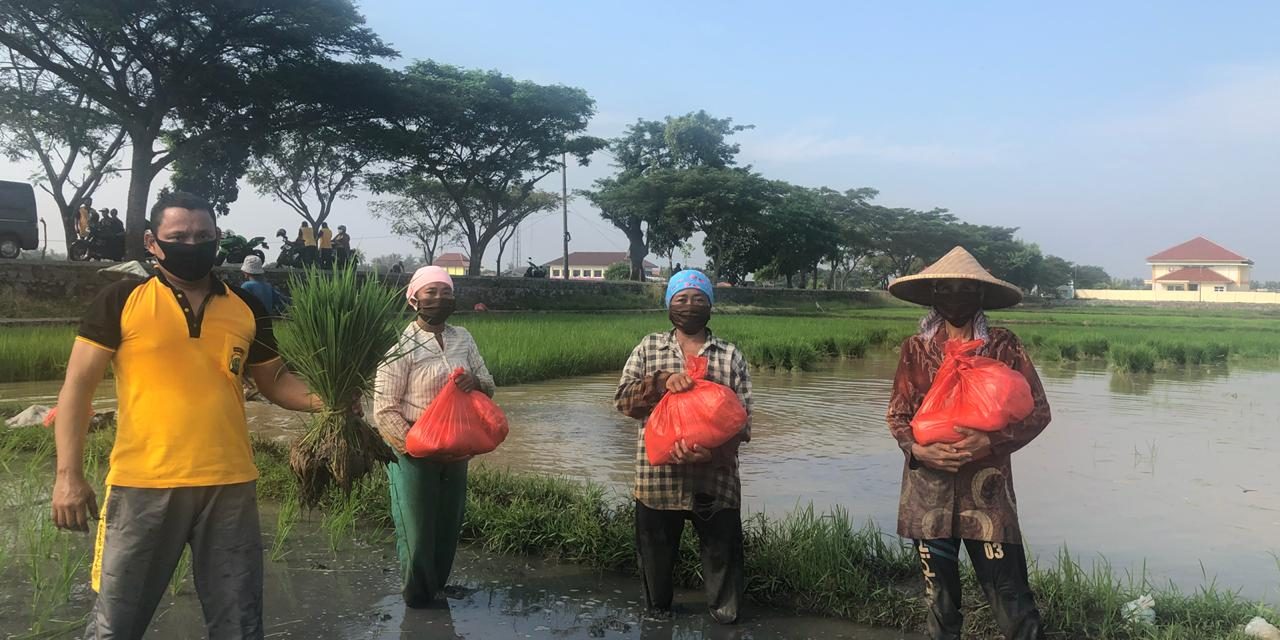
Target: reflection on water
{"type": "Point", "coordinates": [355, 595]}
{"type": "Point", "coordinates": [1177, 469]}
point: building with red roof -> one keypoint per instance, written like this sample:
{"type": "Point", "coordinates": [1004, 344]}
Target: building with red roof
{"type": "Point", "coordinates": [1199, 265]}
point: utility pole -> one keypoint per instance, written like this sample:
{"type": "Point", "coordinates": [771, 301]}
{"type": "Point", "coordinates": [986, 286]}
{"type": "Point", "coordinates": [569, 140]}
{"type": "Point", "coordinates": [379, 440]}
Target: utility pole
{"type": "Point", "coordinates": [564, 201]}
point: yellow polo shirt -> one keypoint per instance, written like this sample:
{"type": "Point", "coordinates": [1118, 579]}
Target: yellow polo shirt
{"type": "Point", "coordinates": [178, 371]}
{"type": "Point", "coordinates": [326, 239]}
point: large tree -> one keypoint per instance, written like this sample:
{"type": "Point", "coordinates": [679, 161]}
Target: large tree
{"type": "Point", "coordinates": [309, 171]}
{"type": "Point", "coordinates": [631, 203]}
{"type": "Point", "coordinates": [537, 202]}
{"type": "Point", "coordinates": [191, 72]}
{"type": "Point", "coordinates": [802, 226]}
{"type": "Point", "coordinates": [489, 139]}
{"type": "Point", "coordinates": [421, 211]}
{"type": "Point", "coordinates": [74, 141]}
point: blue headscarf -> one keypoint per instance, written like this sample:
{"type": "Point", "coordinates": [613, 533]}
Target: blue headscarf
{"type": "Point", "coordinates": [689, 279]}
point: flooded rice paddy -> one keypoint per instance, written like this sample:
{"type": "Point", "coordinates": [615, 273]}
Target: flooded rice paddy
{"type": "Point", "coordinates": [1173, 475]}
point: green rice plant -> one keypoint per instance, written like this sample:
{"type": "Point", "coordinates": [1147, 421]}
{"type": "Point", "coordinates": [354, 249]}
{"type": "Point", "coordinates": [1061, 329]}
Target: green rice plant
{"type": "Point", "coordinates": [1067, 350]}
{"type": "Point", "coordinates": [339, 328]}
{"type": "Point", "coordinates": [1094, 346]}
{"type": "Point", "coordinates": [286, 520]}
{"type": "Point", "coordinates": [180, 573]}
{"type": "Point", "coordinates": [34, 353]}
{"type": "Point", "coordinates": [1139, 358]}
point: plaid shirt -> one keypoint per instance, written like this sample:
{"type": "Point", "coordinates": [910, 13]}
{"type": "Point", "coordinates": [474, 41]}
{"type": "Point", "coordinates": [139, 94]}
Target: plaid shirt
{"type": "Point", "coordinates": [673, 487]}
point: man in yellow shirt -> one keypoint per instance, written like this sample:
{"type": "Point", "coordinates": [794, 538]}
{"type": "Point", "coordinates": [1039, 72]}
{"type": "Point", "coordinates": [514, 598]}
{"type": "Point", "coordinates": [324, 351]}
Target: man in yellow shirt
{"type": "Point", "coordinates": [326, 246]}
{"type": "Point", "coordinates": [307, 238]}
{"type": "Point", "coordinates": [181, 469]}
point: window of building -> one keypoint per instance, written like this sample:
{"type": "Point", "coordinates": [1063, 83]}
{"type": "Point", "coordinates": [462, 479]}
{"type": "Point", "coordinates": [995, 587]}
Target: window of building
{"type": "Point", "coordinates": [598, 273]}
{"type": "Point", "coordinates": [555, 273]}
{"type": "Point", "coordinates": [577, 273]}
{"type": "Point", "coordinates": [1174, 287]}
{"type": "Point", "coordinates": [1218, 288]}
{"type": "Point", "coordinates": [1193, 287]}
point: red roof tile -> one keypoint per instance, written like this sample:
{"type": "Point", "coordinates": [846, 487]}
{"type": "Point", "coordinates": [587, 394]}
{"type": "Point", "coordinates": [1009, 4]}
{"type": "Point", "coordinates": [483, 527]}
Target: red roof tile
{"type": "Point", "coordinates": [1195, 275]}
{"type": "Point", "coordinates": [452, 260]}
{"type": "Point", "coordinates": [1196, 250]}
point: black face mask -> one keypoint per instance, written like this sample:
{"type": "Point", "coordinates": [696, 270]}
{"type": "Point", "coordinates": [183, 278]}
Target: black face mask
{"type": "Point", "coordinates": [958, 308]}
{"type": "Point", "coordinates": [690, 320]}
{"type": "Point", "coordinates": [191, 262]}
{"type": "Point", "coordinates": [437, 311]}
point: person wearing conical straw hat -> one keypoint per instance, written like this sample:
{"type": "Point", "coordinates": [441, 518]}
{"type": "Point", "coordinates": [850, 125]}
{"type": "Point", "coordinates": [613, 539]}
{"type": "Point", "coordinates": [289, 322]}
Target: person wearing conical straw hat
{"type": "Point", "coordinates": [428, 495]}
{"type": "Point", "coordinates": [962, 493]}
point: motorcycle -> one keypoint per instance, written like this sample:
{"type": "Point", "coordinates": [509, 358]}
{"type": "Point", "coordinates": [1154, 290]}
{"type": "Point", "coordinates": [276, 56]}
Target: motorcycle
{"type": "Point", "coordinates": [535, 271]}
{"type": "Point", "coordinates": [290, 251]}
{"type": "Point", "coordinates": [101, 244]}
{"type": "Point", "coordinates": [234, 248]}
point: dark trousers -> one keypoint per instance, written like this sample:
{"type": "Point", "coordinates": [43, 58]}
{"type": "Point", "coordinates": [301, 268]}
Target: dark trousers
{"type": "Point", "coordinates": [326, 258]}
{"type": "Point", "coordinates": [141, 536]}
{"type": "Point", "coordinates": [308, 256]}
{"type": "Point", "coordinates": [720, 541]}
{"type": "Point", "coordinates": [1002, 574]}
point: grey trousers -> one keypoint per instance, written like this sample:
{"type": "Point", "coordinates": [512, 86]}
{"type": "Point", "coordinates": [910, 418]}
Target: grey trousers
{"type": "Point", "coordinates": [140, 540]}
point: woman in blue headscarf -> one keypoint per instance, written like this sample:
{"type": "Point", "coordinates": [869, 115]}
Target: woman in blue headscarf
{"type": "Point", "coordinates": [703, 485]}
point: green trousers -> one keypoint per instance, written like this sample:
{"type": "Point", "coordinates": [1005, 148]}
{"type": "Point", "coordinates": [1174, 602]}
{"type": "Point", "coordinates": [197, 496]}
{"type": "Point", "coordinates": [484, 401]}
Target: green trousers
{"type": "Point", "coordinates": [427, 503]}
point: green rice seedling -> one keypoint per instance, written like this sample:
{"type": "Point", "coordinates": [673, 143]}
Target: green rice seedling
{"type": "Point", "coordinates": [1139, 358]}
{"type": "Point", "coordinates": [34, 353]}
{"type": "Point", "coordinates": [1094, 346]}
{"type": "Point", "coordinates": [339, 328]}
{"type": "Point", "coordinates": [286, 520]}
{"type": "Point", "coordinates": [854, 346]}
{"type": "Point", "coordinates": [1171, 352]}
{"type": "Point", "coordinates": [1067, 350]}
{"type": "Point", "coordinates": [180, 573]}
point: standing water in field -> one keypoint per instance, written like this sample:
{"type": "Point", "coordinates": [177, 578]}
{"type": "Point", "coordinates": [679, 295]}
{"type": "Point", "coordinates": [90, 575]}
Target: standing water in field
{"type": "Point", "coordinates": [1175, 470]}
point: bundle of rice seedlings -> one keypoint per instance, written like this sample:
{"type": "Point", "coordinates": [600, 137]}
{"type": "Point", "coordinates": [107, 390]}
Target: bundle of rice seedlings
{"type": "Point", "coordinates": [337, 331]}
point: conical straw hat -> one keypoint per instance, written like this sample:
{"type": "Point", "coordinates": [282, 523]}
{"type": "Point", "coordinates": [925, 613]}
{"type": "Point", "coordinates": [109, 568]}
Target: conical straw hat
{"type": "Point", "coordinates": [958, 264]}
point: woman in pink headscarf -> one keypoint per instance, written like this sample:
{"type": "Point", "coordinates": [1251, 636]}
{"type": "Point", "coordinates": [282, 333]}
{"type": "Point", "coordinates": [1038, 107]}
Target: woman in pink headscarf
{"type": "Point", "coordinates": [427, 495]}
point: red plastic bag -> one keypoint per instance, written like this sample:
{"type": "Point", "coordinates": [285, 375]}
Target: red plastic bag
{"type": "Point", "coordinates": [457, 424]}
{"type": "Point", "coordinates": [970, 391]}
{"type": "Point", "coordinates": [708, 415]}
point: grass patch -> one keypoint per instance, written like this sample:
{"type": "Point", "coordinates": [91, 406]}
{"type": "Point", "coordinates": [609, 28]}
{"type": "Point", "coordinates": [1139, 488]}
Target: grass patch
{"type": "Point", "coordinates": [824, 563]}
{"type": "Point", "coordinates": [527, 347]}
{"type": "Point", "coordinates": [34, 353]}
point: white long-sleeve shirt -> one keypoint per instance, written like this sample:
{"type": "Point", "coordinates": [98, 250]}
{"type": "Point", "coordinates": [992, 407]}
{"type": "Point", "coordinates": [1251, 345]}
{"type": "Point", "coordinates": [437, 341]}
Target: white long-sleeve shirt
{"type": "Point", "coordinates": [407, 384]}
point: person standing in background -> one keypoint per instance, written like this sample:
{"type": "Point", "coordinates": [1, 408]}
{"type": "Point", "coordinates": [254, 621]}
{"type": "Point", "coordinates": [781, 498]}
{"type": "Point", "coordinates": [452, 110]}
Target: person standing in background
{"type": "Point", "coordinates": [307, 240]}
{"type": "Point", "coordinates": [326, 246]}
{"type": "Point", "coordinates": [342, 246]}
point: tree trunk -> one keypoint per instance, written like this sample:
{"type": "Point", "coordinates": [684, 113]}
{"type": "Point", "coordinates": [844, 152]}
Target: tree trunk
{"type": "Point", "coordinates": [831, 277]}
{"type": "Point", "coordinates": [477, 257]}
{"type": "Point", "coordinates": [502, 248]}
{"type": "Point", "coordinates": [638, 251]}
{"type": "Point", "coordinates": [140, 176]}
{"type": "Point", "coordinates": [68, 214]}
{"type": "Point", "coordinates": [789, 280]}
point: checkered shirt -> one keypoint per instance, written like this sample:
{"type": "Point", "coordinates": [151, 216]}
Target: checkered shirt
{"type": "Point", "coordinates": [673, 487]}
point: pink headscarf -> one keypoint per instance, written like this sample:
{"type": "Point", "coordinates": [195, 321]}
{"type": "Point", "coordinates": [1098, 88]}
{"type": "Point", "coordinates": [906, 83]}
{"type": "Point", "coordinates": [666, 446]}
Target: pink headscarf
{"type": "Point", "coordinates": [423, 277]}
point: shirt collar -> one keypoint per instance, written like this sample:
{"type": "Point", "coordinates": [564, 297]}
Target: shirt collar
{"type": "Point", "coordinates": [217, 287]}
{"type": "Point", "coordinates": [669, 341]}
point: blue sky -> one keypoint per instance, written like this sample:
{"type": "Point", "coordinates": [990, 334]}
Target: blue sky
{"type": "Point", "coordinates": [1106, 131]}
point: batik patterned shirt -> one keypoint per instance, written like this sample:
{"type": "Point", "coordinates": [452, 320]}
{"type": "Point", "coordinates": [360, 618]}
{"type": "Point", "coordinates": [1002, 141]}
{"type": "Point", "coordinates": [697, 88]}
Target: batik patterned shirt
{"type": "Point", "coordinates": [978, 502]}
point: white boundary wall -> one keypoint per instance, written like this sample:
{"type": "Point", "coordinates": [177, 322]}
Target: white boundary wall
{"type": "Point", "coordinates": [1148, 295]}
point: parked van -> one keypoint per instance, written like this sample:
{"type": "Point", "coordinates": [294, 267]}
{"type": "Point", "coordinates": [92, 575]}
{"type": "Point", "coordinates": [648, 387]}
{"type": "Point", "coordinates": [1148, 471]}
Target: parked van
{"type": "Point", "coordinates": [18, 227]}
